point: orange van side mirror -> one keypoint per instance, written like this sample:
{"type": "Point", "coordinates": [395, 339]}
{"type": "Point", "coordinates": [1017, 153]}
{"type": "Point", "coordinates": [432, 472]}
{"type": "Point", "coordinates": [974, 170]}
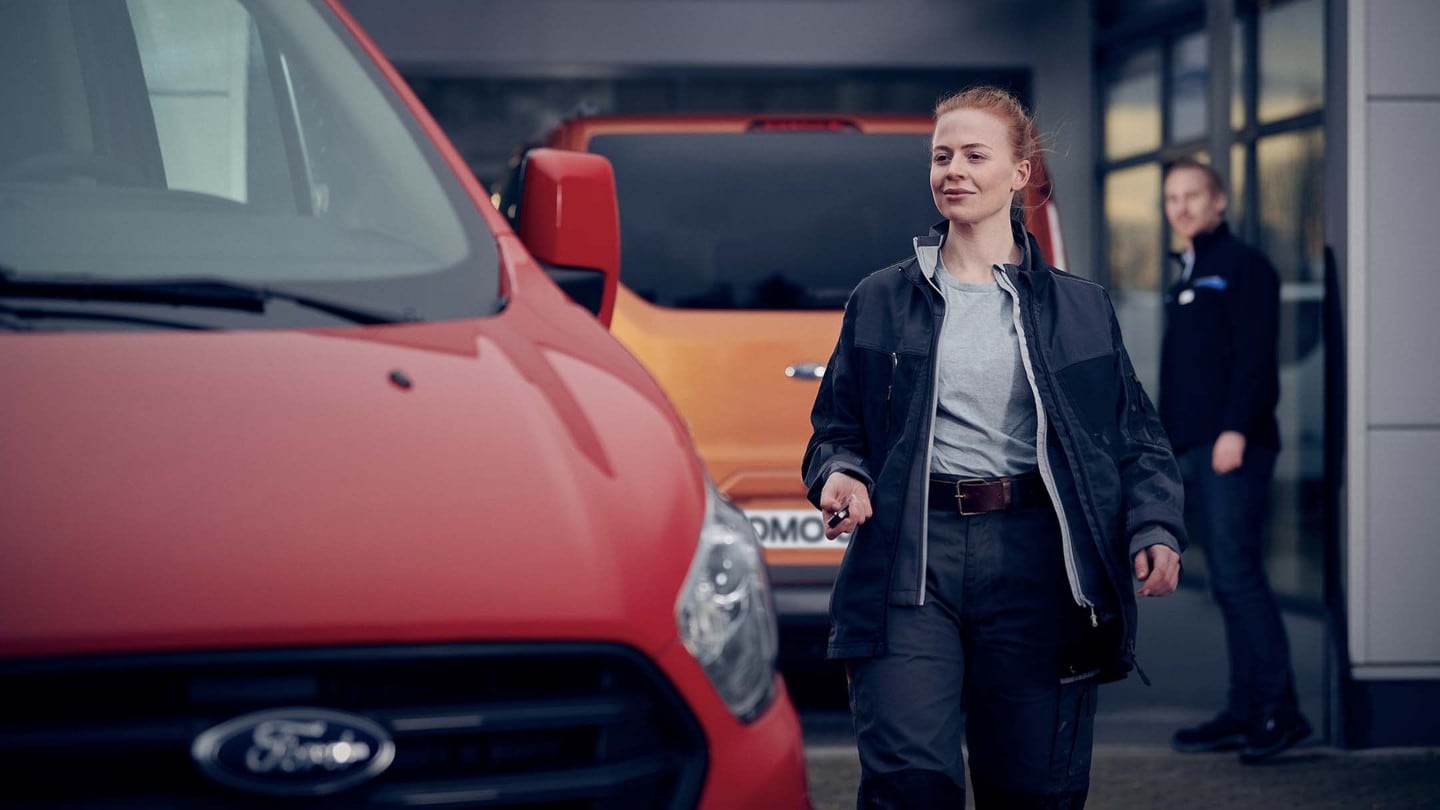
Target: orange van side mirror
{"type": "Point", "coordinates": [569, 220]}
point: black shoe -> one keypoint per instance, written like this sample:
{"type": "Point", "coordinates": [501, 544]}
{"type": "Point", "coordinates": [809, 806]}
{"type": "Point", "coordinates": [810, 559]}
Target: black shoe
{"type": "Point", "coordinates": [1275, 733]}
{"type": "Point", "coordinates": [1225, 733]}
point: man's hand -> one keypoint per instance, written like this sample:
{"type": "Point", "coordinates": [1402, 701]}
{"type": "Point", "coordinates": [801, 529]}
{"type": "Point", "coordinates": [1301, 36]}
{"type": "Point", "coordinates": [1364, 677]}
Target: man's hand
{"type": "Point", "coordinates": [1229, 452]}
{"type": "Point", "coordinates": [843, 492]}
{"type": "Point", "coordinates": [1158, 567]}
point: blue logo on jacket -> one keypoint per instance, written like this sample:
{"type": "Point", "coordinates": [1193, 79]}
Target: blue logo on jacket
{"type": "Point", "coordinates": [1210, 282]}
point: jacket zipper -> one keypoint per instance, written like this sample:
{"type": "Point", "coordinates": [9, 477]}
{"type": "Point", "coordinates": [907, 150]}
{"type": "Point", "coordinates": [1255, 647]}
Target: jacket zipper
{"type": "Point", "coordinates": [1041, 456]}
{"type": "Point", "coordinates": [930, 439]}
{"type": "Point", "coordinates": [890, 389]}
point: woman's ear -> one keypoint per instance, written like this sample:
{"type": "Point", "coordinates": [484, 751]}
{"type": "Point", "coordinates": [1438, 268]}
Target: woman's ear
{"type": "Point", "coordinates": [1022, 175]}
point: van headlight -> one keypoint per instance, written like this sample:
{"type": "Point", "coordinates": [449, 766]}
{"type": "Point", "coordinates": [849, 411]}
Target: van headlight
{"type": "Point", "coordinates": [726, 613]}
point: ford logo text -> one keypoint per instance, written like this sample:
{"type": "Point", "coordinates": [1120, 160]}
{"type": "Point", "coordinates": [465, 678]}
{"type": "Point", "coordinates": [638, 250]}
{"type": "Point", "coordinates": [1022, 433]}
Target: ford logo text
{"type": "Point", "coordinates": [294, 751]}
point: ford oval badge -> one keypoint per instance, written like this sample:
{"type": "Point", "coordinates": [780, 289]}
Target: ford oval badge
{"type": "Point", "coordinates": [294, 751]}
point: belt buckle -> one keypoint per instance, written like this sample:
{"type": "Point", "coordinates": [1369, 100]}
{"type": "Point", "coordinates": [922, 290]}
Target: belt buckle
{"type": "Point", "coordinates": [960, 496]}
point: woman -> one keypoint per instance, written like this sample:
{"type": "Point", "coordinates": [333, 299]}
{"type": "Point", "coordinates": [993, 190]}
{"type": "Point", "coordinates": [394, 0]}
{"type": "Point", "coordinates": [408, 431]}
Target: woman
{"type": "Point", "coordinates": [981, 431]}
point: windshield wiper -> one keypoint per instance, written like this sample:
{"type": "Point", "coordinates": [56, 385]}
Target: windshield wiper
{"type": "Point", "coordinates": [198, 292]}
{"type": "Point", "coordinates": [19, 318]}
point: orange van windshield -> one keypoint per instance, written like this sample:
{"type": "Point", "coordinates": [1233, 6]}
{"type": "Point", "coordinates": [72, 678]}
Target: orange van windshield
{"type": "Point", "coordinates": [765, 220]}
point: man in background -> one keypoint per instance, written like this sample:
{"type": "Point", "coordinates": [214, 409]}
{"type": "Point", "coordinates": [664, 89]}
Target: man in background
{"type": "Point", "coordinates": [1219, 385]}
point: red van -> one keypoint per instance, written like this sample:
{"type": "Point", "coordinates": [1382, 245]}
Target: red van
{"type": "Point", "coordinates": [313, 483]}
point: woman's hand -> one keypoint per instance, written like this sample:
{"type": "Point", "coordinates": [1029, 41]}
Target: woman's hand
{"type": "Point", "coordinates": [1157, 566]}
{"type": "Point", "coordinates": [841, 492]}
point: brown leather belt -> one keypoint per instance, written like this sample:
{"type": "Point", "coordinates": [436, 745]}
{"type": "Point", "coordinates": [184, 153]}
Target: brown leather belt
{"type": "Point", "coordinates": [974, 496]}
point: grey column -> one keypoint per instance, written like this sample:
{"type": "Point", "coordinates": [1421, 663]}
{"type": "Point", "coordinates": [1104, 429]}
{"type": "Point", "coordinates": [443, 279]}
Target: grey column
{"type": "Point", "coordinates": [1219, 19]}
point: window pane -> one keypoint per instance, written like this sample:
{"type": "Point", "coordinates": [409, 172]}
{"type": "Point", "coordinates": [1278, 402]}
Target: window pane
{"type": "Point", "coordinates": [1291, 205]}
{"type": "Point", "coordinates": [1189, 87]}
{"type": "Point", "coordinates": [1239, 63]}
{"type": "Point", "coordinates": [486, 117]}
{"type": "Point", "coordinates": [1132, 107]}
{"type": "Point", "coordinates": [1235, 213]}
{"type": "Point", "coordinates": [1132, 230]}
{"type": "Point", "coordinates": [1292, 59]}
{"type": "Point", "coordinates": [1291, 234]}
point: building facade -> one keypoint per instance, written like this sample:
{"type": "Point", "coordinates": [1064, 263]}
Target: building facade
{"type": "Point", "coordinates": [1315, 111]}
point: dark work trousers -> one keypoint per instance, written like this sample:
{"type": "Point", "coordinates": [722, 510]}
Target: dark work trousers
{"type": "Point", "coordinates": [997, 620]}
{"type": "Point", "coordinates": [1232, 509]}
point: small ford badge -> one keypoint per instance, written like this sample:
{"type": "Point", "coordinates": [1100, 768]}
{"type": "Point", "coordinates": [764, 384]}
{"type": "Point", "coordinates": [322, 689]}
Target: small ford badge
{"type": "Point", "coordinates": [294, 751]}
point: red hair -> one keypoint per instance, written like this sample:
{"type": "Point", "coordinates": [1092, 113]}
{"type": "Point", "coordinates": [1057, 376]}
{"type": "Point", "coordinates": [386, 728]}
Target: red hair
{"type": "Point", "coordinates": [1024, 142]}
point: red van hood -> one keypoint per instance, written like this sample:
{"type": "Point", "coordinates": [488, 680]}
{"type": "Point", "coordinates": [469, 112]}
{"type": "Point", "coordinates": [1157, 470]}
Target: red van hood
{"type": "Point", "coordinates": [444, 482]}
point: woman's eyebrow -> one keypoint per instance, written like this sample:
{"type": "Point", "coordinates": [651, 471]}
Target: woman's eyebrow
{"type": "Point", "coordinates": [977, 145]}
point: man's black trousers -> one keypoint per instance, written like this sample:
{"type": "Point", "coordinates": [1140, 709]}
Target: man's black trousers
{"type": "Point", "coordinates": [1232, 510]}
{"type": "Point", "coordinates": [997, 626]}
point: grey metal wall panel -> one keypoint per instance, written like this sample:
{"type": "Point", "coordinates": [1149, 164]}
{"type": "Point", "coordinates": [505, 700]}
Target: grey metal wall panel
{"type": "Point", "coordinates": [1403, 545]}
{"type": "Point", "coordinates": [1403, 306]}
{"type": "Point", "coordinates": [1401, 37]}
{"type": "Point", "coordinates": [486, 33]}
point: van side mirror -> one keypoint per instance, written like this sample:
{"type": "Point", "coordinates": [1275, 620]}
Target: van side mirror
{"type": "Point", "coordinates": [569, 220]}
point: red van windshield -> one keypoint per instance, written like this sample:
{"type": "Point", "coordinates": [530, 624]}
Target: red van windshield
{"type": "Point", "coordinates": [219, 141]}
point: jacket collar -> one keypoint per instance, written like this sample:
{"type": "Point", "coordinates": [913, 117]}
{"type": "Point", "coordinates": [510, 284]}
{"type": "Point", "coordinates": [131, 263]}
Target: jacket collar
{"type": "Point", "coordinates": [927, 249]}
{"type": "Point", "coordinates": [1202, 243]}
{"type": "Point", "coordinates": [1205, 241]}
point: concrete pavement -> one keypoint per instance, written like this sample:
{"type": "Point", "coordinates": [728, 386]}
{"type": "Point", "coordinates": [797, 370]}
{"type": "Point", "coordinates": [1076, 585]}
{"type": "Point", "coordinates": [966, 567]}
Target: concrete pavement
{"type": "Point", "coordinates": [1182, 650]}
{"type": "Point", "coordinates": [1130, 777]}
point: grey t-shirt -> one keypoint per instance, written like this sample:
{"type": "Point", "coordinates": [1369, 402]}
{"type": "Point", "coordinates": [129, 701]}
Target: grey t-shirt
{"type": "Point", "coordinates": [985, 419]}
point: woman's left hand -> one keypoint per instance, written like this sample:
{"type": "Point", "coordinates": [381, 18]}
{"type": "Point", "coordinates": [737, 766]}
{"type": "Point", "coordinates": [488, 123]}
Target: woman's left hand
{"type": "Point", "coordinates": [1158, 567]}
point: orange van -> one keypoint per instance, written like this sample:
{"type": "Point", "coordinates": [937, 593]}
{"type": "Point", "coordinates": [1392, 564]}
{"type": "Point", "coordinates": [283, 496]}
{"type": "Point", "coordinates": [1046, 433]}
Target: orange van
{"type": "Point", "coordinates": [741, 238]}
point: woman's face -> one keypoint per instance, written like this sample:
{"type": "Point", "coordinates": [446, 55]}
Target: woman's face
{"type": "Point", "coordinates": [973, 170]}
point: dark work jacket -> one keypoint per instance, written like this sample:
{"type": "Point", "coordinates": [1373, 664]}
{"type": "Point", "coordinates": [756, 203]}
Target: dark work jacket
{"type": "Point", "coordinates": [1218, 366]}
{"type": "Point", "coordinates": [1103, 454]}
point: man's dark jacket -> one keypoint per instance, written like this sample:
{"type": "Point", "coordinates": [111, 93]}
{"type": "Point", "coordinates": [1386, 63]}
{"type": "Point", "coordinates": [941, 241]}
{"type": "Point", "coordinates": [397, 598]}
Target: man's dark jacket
{"type": "Point", "coordinates": [1218, 366]}
{"type": "Point", "coordinates": [1104, 453]}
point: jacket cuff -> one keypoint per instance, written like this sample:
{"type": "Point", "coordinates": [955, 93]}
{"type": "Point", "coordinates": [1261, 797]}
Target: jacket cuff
{"type": "Point", "coordinates": [853, 470]}
{"type": "Point", "coordinates": [1152, 535]}
{"type": "Point", "coordinates": [1236, 425]}
{"type": "Point", "coordinates": [838, 465]}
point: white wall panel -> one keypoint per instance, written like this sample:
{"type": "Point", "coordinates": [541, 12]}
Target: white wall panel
{"type": "Point", "coordinates": [1401, 47]}
{"type": "Point", "coordinates": [1403, 274]}
{"type": "Point", "coordinates": [1393, 534]}
{"type": "Point", "coordinates": [1403, 544]}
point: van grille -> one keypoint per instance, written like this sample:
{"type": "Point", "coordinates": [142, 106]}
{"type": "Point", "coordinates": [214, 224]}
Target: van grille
{"type": "Point", "coordinates": [552, 727]}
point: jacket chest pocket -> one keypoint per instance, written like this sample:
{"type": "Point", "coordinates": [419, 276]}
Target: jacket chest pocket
{"type": "Point", "coordinates": [1092, 389]}
{"type": "Point", "coordinates": [892, 377]}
